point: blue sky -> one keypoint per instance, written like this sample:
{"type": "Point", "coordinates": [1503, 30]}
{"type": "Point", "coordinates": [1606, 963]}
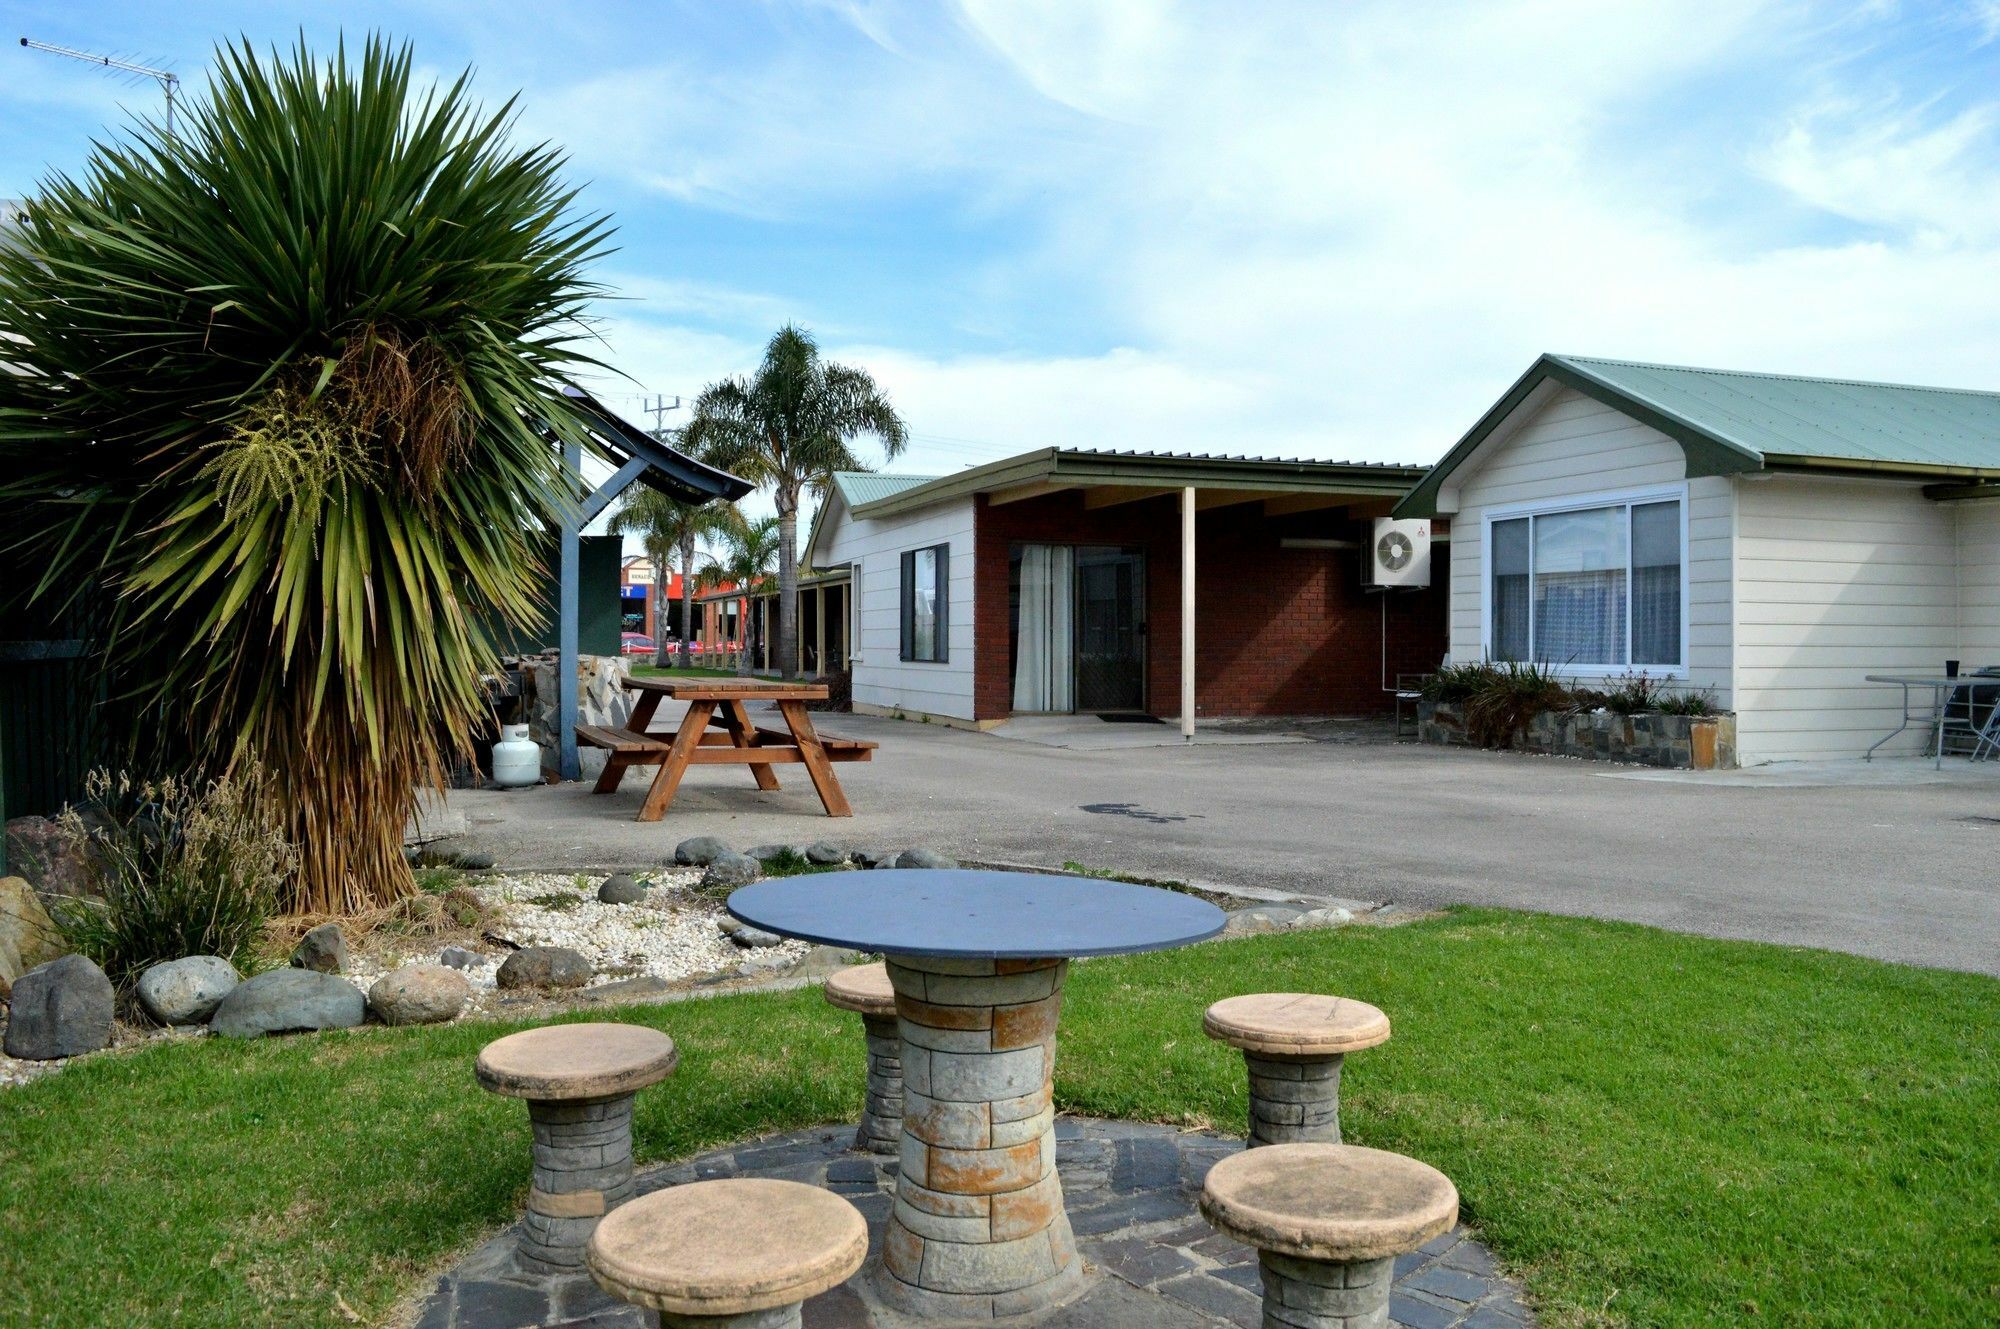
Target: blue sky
{"type": "Point", "coordinates": [1331, 230]}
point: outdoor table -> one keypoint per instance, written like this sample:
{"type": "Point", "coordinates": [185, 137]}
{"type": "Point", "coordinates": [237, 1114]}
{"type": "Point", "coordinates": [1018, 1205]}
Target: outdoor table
{"type": "Point", "coordinates": [977, 960]}
{"type": "Point", "coordinates": [1941, 687]}
{"type": "Point", "coordinates": [733, 738]}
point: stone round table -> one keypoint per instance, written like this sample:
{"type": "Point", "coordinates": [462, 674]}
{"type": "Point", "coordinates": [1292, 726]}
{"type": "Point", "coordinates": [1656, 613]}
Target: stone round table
{"type": "Point", "coordinates": [978, 961]}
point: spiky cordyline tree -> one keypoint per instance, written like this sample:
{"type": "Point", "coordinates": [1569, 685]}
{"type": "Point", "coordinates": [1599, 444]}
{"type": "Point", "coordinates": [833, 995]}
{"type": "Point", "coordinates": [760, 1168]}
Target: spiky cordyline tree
{"type": "Point", "coordinates": [789, 426]}
{"type": "Point", "coordinates": [286, 413]}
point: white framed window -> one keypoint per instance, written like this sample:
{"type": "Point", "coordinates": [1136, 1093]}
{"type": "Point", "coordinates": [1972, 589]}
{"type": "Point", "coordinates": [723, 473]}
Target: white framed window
{"type": "Point", "coordinates": [926, 577]}
{"type": "Point", "coordinates": [1595, 584]}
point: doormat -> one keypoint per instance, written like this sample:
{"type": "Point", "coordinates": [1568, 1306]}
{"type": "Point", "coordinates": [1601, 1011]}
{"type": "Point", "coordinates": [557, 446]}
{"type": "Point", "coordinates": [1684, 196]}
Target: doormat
{"type": "Point", "coordinates": [1128, 717]}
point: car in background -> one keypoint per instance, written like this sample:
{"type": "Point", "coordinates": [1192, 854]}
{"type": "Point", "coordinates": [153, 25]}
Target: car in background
{"type": "Point", "coordinates": [637, 643]}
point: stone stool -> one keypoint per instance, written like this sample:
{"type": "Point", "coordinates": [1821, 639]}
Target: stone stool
{"type": "Point", "coordinates": [743, 1253]}
{"type": "Point", "coordinates": [865, 989]}
{"type": "Point", "coordinates": [1328, 1221]}
{"type": "Point", "coordinates": [579, 1080]}
{"type": "Point", "coordinates": [1293, 1043]}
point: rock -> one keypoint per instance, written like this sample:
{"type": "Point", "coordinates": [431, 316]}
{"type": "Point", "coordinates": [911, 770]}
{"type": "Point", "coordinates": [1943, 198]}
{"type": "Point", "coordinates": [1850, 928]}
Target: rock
{"type": "Point", "coordinates": [52, 863]}
{"type": "Point", "coordinates": [823, 960]}
{"type": "Point", "coordinates": [1261, 918]}
{"type": "Point", "coordinates": [729, 925]}
{"type": "Point", "coordinates": [871, 858]}
{"type": "Point", "coordinates": [699, 852]}
{"type": "Point", "coordinates": [28, 936]}
{"type": "Point", "coordinates": [419, 994]}
{"type": "Point", "coordinates": [457, 957]}
{"type": "Point", "coordinates": [729, 869]}
{"type": "Point", "coordinates": [755, 937]}
{"type": "Point", "coordinates": [924, 858]}
{"type": "Point", "coordinates": [1333, 916]}
{"type": "Point", "coordinates": [473, 862]}
{"type": "Point", "coordinates": [544, 967]}
{"type": "Point", "coordinates": [758, 966]}
{"type": "Point", "coordinates": [323, 950]}
{"type": "Point", "coordinates": [825, 853]}
{"type": "Point", "coordinates": [60, 1009]}
{"type": "Point", "coordinates": [187, 991]}
{"type": "Point", "coordinates": [289, 1001]}
{"type": "Point", "coordinates": [764, 853]}
{"type": "Point", "coordinates": [621, 888]}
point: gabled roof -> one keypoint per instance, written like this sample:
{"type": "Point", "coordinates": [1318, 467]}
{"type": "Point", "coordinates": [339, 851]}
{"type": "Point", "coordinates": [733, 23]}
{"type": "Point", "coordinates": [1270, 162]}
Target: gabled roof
{"type": "Point", "coordinates": [1074, 467]}
{"type": "Point", "coordinates": [667, 469]}
{"type": "Point", "coordinates": [858, 487]}
{"type": "Point", "coordinates": [1727, 421]}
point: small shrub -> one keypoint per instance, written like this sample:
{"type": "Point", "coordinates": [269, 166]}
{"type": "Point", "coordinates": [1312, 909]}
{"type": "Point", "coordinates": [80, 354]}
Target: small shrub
{"type": "Point", "coordinates": [1634, 694]}
{"type": "Point", "coordinates": [1512, 695]}
{"type": "Point", "coordinates": [1455, 684]}
{"type": "Point", "coordinates": [1700, 702]}
{"type": "Point", "coordinates": [182, 868]}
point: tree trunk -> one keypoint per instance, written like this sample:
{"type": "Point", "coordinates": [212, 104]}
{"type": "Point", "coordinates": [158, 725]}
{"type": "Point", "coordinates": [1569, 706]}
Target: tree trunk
{"type": "Point", "coordinates": [687, 600]}
{"type": "Point", "coordinates": [787, 497]}
{"type": "Point", "coordinates": [660, 621]}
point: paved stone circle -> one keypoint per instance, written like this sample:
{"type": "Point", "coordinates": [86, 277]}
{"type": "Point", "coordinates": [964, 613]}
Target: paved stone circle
{"type": "Point", "coordinates": [1150, 1260]}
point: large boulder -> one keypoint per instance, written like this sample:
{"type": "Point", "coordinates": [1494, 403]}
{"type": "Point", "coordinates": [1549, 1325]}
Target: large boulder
{"type": "Point", "coordinates": [544, 967]}
{"type": "Point", "coordinates": [323, 950]}
{"type": "Point", "coordinates": [187, 990]}
{"type": "Point", "coordinates": [729, 869]}
{"type": "Point", "coordinates": [286, 1001]}
{"type": "Point", "coordinates": [621, 888]}
{"type": "Point", "coordinates": [419, 994]}
{"type": "Point", "coordinates": [699, 851]}
{"type": "Point", "coordinates": [53, 863]}
{"type": "Point", "coordinates": [28, 936]}
{"type": "Point", "coordinates": [60, 1009]}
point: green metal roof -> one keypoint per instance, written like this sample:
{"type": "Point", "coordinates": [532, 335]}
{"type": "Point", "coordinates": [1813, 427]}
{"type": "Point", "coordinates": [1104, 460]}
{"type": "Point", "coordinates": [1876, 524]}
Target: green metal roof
{"type": "Point", "coordinates": [1728, 421]}
{"type": "Point", "coordinates": [858, 487]}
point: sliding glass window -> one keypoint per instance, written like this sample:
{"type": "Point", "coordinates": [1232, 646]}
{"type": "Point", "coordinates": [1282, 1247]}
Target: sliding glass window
{"type": "Point", "coordinates": [1594, 587]}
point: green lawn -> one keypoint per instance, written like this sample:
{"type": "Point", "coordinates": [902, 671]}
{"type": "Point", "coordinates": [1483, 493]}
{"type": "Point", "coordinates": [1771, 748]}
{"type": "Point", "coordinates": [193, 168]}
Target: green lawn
{"type": "Point", "coordinates": [1652, 1129]}
{"type": "Point", "coordinates": [653, 671]}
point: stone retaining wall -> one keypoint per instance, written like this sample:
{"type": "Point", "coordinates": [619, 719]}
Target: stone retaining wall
{"type": "Point", "coordinates": [1678, 742]}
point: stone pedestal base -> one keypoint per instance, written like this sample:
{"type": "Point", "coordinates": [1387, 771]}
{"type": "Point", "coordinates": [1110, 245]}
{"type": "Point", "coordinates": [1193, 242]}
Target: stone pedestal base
{"type": "Point", "coordinates": [777, 1317]}
{"type": "Point", "coordinates": [1313, 1294]}
{"type": "Point", "coordinates": [882, 1117]}
{"type": "Point", "coordinates": [1294, 1100]}
{"type": "Point", "coordinates": [978, 1229]}
{"type": "Point", "coordinates": [583, 1170]}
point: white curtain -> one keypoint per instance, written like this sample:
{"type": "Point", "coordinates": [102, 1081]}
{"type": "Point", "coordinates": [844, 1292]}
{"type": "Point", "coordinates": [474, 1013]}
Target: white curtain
{"type": "Point", "coordinates": [1042, 665]}
{"type": "Point", "coordinates": [1580, 560]}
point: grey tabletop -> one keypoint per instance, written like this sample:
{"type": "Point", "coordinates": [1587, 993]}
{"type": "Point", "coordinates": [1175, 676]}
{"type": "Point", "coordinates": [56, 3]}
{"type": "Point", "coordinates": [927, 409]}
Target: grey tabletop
{"type": "Point", "coordinates": [991, 915]}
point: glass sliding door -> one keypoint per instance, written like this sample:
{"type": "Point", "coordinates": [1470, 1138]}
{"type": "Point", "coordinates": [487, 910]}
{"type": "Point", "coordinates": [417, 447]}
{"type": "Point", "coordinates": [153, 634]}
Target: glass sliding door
{"type": "Point", "coordinates": [1044, 629]}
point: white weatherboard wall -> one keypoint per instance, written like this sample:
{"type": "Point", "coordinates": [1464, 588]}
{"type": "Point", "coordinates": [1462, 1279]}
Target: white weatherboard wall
{"type": "Point", "coordinates": [1978, 582]}
{"type": "Point", "coordinates": [1838, 579]}
{"type": "Point", "coordinates": [1573, 445]}
{"type": "Point", "coordinates": [875, 551]}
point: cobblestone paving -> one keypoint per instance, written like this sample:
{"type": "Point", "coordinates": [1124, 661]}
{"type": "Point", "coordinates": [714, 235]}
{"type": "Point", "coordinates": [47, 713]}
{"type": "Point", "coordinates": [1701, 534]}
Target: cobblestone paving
{"type": "Point", "coordinates": [1152, 1263]}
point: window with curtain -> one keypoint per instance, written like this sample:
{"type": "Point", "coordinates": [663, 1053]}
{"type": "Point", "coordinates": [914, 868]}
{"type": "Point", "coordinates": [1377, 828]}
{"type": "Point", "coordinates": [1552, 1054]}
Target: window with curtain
{"type": "Point", "coordinates": [926, 572]}
{"type": "Point", "coordinates": [1596, 587]}
{"type": "Point", "coordinates": [1044, 662]}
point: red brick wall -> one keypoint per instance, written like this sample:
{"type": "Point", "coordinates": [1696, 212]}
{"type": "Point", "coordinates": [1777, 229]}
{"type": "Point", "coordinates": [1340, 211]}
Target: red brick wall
{"type": "Point", "coordinates": [1278, 631]}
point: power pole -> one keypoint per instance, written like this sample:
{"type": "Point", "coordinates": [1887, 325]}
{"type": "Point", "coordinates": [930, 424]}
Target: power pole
{"type": "Point", "coordinates": [169, 81]}
{"type": "Point", "coordinates": [658, 410]}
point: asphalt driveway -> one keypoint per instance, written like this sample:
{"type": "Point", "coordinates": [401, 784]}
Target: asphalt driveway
{"type": "Point", "coordinates": [1884, 862]}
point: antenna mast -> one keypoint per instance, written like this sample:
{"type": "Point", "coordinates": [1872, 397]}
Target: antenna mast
{"type": "Point", "coordinates": [169, 81]}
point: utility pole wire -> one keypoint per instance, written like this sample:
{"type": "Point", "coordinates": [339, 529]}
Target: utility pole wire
{"type": "Point", "coordinates": [169, 81]}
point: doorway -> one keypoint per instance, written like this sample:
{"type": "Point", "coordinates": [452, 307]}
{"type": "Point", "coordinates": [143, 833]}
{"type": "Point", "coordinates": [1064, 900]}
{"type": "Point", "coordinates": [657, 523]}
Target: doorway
{"type": "Point", "coordinates": [1079, 628]}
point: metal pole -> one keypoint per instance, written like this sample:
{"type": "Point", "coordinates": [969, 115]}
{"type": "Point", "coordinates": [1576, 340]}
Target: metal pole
{"type": "Point", "coordinates": [1187, 613]}
{"type": "Point", "coordinates": [566, 628]}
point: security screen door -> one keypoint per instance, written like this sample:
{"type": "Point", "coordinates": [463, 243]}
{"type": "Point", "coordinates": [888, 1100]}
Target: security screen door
{"type": "Point", "coordinates": [1079, 628]}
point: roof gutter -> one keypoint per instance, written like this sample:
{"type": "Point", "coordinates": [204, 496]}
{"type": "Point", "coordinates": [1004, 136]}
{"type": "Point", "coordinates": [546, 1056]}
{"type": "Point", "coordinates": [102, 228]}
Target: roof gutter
{"type": "Point", "coordinates": [1863, 467]}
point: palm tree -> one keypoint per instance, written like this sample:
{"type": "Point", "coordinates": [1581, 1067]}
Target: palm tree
{"type": "Point", "coordinates": [290, 417]}
{"type": "Point", "coordinates": [750, 548]}
{"type": "Point", "coordinates": [789, 426]}
{"type": "Point", "coordinates": [667, 524]}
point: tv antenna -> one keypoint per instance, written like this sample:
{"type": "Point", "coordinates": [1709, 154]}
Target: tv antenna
{"type": "Point", "coordinates": [169, 81]}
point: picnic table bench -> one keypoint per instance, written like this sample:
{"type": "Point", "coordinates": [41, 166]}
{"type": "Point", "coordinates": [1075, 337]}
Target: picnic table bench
{"type": "Point", "coordinates": [718, 729]}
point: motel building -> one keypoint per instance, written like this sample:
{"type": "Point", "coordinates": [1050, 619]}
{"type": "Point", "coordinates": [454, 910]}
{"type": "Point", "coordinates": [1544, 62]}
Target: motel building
{"type": "Point", "coordinates": [1127, 585]}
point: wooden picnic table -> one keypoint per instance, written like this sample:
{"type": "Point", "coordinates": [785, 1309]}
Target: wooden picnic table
{"type": "Point", "coordinates": [717, 728]}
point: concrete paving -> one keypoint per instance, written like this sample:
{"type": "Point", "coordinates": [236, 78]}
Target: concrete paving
{"type": "Point", "coordinates": [1889, 862]}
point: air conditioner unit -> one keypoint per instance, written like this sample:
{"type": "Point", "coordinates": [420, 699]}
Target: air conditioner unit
{"type": "Point", "coordinates": [1399, 554]}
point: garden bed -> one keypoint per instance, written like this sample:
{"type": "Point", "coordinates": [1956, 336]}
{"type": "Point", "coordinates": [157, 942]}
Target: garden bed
{"type": "Point", "coordinates": [1678, 742]}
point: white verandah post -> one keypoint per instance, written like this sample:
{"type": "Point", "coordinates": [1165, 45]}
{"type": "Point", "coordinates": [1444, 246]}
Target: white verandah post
{"type": "Point", "coordinates": [1187, 613]}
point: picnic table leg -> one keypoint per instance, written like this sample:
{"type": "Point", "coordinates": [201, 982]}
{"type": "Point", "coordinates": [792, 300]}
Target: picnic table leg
{"type": "Point", "coordinates": [736, 719]}
{"type": "Point", "coordinates": [814, 755]}
{"type": "Point", "coordinates": [613, 773]}
{"type": "Point", "coordinates": [642, 712]}
{"type": "Point", "coordinates": [676, 763]}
